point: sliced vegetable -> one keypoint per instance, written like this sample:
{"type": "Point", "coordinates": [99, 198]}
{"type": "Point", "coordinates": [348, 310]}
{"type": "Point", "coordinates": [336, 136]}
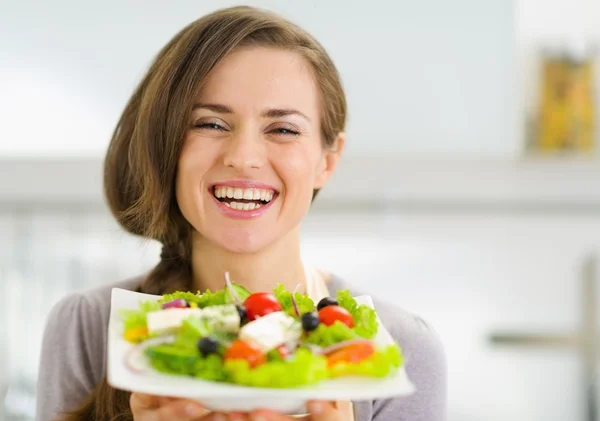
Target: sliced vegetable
{"type": "Point", "coordinates": [303, 370]}
{"type": "Point", "coordinates": [188, 297]}
{"type": "Point", "coordinates": [381, 364]}
{"type": "Point", "coordinates": [284, 351]}
{"type": "Point", "coordinates": [178, 303]}
{"type": "Point", "coordinates": [243, 350]}
{"type": "Point", "coordinates": [353, 353]}
{"type": "Point", "coordinates": [331, 314]}
{"type": "Point", "coordinates": [137, 334]}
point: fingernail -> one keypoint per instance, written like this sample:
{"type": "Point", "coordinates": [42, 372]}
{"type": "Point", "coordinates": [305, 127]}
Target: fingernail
{"type": "Point", "coordinates": [315, 408]}
{"type": "Point", "coordinates": [193, 410]}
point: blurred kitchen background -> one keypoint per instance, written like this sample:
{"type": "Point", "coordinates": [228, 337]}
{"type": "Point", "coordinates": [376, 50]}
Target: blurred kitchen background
{"type": "Point", "coordinates": [469, 192]}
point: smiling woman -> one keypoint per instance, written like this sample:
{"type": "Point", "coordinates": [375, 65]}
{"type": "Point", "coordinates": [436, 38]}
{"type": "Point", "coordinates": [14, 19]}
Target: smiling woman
{"type": "Point", "coordinates": [218, 155]}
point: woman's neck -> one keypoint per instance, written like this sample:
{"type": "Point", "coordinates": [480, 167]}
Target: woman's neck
{"type": "Point", "coordinates": [261, 271]}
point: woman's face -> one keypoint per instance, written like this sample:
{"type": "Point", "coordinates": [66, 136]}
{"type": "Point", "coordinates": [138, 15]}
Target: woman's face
{"type": "Point", "coordinates": [253, 153]}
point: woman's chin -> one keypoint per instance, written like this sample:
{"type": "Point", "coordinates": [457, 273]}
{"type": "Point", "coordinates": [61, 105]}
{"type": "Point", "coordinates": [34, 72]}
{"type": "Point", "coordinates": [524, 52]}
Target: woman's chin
{"type": "Point", "coordinates": [243, 242]}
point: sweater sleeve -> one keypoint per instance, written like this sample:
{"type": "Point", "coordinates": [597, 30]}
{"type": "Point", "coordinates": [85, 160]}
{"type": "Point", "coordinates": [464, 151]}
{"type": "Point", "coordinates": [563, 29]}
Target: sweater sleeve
{"type": "Point", "coordinates": [71, 356]}
{"type": "Point", "coordinates": [426, 367]}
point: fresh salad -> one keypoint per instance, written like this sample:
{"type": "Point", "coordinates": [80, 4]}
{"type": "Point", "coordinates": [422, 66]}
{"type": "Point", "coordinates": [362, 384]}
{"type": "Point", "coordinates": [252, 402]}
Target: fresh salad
{"type": "Point", "coordinates": [275, 339]}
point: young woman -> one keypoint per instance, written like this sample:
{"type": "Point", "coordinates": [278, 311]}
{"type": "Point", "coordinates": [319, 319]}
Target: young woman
{"type": "Point", "coordinates": [218, 154]}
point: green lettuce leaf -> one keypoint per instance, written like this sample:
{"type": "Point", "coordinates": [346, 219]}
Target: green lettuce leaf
{"type": "Point", "coordinates": [173, 359]}
{"type": "Point", "coordinates": [325, 336]}
{"type": "Point", "coordinates": [365, 318]}
{"type": "Point", "coordinates": [190, 297]}
{"type": "Point", "coordinates": [304, 369]}
{"type": "Point", "coordinates": [304, 302]}
{"type": "Point", "coordinates": [137, 318]}
{"type": "Point", "coordinates": [381, 364]}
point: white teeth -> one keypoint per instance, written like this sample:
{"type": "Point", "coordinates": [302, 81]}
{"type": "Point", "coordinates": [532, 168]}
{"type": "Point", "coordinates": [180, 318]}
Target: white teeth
{"type": "Point", "coordinates": [222, 192]}
{"type": "Point", "coordinates": [243, 206]}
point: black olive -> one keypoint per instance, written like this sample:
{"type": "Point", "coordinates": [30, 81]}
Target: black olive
{"type": "Point", "coordinates": [242, 312]}
{"type": "Point", "coordinates": [310, 321]}
{"type": "Point", "coordinates": [208, 346]}
{"type": "Point", "coordinates": [327, 301]}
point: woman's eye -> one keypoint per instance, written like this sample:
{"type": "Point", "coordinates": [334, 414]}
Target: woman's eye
{"type": "Point", "coordinates": [285, 131]}
{"type": "Point", "coordinates": [210, 126]}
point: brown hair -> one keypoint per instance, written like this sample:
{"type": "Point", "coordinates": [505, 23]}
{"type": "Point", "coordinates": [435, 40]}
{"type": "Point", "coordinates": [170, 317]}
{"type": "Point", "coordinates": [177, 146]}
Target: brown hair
{"type": "Point", "coordinates": [141, 163]}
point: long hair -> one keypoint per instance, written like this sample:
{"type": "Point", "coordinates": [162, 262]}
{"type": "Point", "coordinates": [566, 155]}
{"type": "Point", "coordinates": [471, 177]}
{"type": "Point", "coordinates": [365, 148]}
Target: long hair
{"type": "Point", "coordinates": [141, 162]}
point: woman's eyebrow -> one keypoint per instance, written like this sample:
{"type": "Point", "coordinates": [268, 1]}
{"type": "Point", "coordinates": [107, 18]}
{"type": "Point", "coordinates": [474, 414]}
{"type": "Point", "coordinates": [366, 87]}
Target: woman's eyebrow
{"type": "Point", "coordinates": [282, 112]}
{"type": "Point", "coordinates": [217, 108]}
{"type": "Point", "coordinates": [271, 112]}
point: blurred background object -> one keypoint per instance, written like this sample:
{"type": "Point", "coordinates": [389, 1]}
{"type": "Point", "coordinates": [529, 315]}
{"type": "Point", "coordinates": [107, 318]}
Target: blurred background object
{"type": "Point", "coordinates": [445, 201]}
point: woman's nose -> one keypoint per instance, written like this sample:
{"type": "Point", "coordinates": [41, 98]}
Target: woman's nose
{"type": "Point", "coordinates": [244, 152]}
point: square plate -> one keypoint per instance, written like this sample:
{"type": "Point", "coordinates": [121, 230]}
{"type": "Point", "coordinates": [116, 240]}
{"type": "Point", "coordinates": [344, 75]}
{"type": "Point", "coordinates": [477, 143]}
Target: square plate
{"type": "Point", "coordinates": [226, 397]}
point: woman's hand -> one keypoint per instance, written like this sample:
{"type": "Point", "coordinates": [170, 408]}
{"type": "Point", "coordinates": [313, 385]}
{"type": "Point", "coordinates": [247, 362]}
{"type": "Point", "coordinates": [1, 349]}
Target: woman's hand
{"type": "Point", "coordinates": [158, 408]}
{"type": "Point", "coordinates": [318, 411]}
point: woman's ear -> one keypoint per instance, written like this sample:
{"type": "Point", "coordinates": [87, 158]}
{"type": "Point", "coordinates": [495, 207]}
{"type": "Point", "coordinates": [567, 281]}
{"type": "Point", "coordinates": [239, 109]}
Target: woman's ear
{"type": "Point", "coordinates": [329, 161]}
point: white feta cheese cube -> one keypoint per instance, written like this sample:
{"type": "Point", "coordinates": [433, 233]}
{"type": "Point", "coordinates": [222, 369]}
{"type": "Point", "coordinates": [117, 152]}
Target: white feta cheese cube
{"type": "Point", "coordinates": [271, 330]}
{"type": "Point", "coordinates": [165, 320]}
{"type": "Point", "coordinates": [222, 318]}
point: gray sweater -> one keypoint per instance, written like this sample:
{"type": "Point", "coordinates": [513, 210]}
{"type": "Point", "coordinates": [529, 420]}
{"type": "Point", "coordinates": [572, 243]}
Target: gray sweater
{"type": "Point", "coordinates": [73, 357]}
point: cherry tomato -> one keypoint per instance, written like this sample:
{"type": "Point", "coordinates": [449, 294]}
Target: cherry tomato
{"type": "Point", "coordinates": [351, 354]}
{"type": "Point", "coordinates": [242, 350]}
{"type": "Point", "coordinates": [330, 314]}
{"type": "Point", "coordinates": [260, 304]}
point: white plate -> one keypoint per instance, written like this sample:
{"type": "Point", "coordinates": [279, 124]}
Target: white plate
{"type": "Point", "coordinates": [226, 397]}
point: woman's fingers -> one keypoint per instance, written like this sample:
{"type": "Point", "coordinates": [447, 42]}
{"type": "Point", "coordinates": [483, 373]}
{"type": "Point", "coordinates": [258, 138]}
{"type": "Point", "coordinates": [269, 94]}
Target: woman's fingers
{"type": "Point", "coordinates": [319, 411]}
{"type": "Point", "coordinates": [155, 408]}
{"type": "Point", "coordinates": [323, 411]}
{"type": "Point", "coordinates": [142, 402]}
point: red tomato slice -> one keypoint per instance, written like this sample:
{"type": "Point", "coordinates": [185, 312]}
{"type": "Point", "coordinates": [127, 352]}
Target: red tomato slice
{"type": "Point", "coordinates": [351, 354]}
{"type": "Point", "coordinates": [260, 304]}
{"type": "Point", "coordinates": [242, 350]}
{"type": "Point", "coordinates": [330, 314]}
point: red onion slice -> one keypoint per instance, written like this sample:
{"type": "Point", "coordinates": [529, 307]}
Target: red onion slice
{"type": "Point", "coordinates": [294, 301]}
{"type": "Point", "coordinates": [135, 360]}
{"type": "Point", "coordinates": [234, 296]}
{"type": "Point", "coordinates": [332, 348]}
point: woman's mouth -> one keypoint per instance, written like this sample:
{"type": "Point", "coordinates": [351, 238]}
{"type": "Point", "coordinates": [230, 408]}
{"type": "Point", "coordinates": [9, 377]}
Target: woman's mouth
{"type": "Point", "coordinates": [243, 198]}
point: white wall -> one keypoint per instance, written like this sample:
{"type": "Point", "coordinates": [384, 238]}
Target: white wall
{"type": "Point", "coordinates": [427, 77]}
